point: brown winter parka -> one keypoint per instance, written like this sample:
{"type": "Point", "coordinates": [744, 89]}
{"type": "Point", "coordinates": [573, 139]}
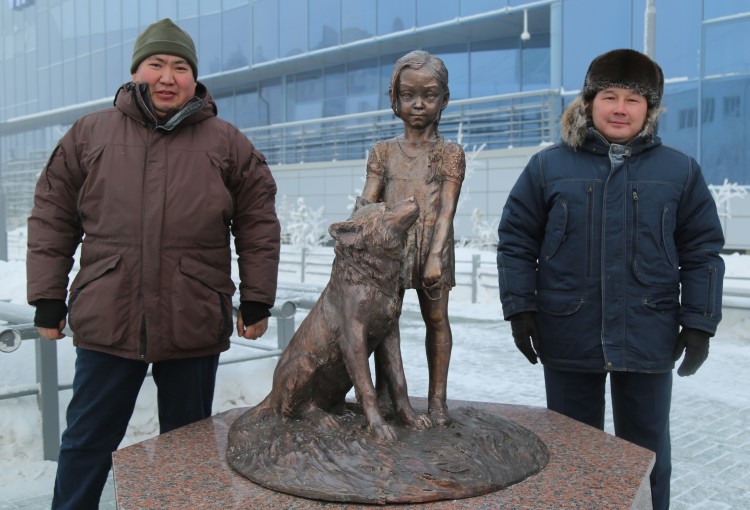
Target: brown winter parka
{"type": "Point", "coordinates": [152, 207]}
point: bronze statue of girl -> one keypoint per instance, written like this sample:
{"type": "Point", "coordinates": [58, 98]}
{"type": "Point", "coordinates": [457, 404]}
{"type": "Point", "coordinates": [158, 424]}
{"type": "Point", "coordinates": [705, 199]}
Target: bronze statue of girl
{"type": "Point", "coordinates": [419, 163]}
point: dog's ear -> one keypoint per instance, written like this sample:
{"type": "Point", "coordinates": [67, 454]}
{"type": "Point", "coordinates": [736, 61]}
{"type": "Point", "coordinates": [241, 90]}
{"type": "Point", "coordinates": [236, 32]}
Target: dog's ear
{"type": "Point", "coordinates": [346, 233]}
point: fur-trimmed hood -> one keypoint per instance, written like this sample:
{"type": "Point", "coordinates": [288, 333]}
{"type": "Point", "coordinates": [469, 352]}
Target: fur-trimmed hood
{"type": "Point", "coordinates": [575, 123]}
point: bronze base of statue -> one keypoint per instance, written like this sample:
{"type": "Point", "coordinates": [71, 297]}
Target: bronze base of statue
{"type": "Point", "coordinates": [338, 460]}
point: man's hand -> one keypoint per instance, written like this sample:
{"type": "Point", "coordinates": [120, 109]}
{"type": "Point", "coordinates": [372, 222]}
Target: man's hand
{"type": "Point", "coordinates": [526, 335]}
{"type": "Point", "coordinates": [695, 344]}
{"type": "Point", "coordinates": [253, 331]}
{"type": "Point", "coordinates": [52, 333]}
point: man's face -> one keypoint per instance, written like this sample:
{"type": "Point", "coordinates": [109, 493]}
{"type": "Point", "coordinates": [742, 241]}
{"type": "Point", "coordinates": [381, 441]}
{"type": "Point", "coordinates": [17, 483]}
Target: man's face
{"type": "Point", "coordinates": [170, 82]}
{"type": "Point", "coordinates": [619, 114]}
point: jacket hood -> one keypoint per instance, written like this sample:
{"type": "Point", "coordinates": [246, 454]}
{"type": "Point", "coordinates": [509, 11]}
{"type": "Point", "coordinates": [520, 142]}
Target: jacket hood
{"type": "Point", "coordinates": [133, 100]}
{"type": "Point", "coordinates": [575, 123]}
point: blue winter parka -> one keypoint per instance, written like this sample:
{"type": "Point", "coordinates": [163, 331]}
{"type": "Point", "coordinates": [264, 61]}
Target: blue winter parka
{"type": "Point", "coordinates": [614, 247]}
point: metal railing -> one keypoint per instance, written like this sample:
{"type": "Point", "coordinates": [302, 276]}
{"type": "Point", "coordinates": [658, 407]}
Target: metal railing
{"type": "Point", "coordinates": [304, 264]}
{"type": "Point", "coordinates": [500, 122]}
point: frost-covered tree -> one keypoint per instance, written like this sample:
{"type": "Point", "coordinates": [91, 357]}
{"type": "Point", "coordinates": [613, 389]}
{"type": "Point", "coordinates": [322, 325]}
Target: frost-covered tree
{"type": "Point", "coordinates": [284, 219]}
{"type": "Point", "coordinates": [305, 226]}
{"type": "Point", "coordinates": [724, 193]}
{"type": "Point", "coordinates": [471, 164]}
{"type": "Point", "coordinates": [485, 233]}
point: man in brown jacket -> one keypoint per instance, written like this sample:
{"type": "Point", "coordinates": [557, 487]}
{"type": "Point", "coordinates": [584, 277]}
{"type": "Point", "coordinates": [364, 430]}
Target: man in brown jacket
{"type": "Point", "coordinates": [150, 189]}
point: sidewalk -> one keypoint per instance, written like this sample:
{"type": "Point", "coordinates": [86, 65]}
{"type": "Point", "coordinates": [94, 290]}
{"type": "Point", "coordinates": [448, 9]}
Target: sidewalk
{"type": "Point", "coordinates": [710, 411]}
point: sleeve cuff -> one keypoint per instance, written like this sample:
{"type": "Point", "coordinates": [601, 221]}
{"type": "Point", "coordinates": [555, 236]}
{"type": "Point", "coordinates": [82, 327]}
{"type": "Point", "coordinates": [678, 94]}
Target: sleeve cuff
{"type": "Point", "coordinates": [49, 312]}
{"type": "Point", "coordinates": [254, 311]}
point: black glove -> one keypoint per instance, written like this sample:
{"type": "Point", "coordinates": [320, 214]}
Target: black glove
{"type": "Point", "coordinates": [49, 312]}
{"type": "Point", "coordinates": [695, 344]}
{"type": "Point", "coordinates": [254, 311]}
{"type": "Point", "coordinates": [526, 335]}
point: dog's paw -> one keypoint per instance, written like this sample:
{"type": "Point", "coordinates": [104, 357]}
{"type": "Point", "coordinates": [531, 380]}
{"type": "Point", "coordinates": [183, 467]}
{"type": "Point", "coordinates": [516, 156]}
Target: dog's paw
{"type": "Point", "coordinates": [422, 422]}
{"type": "Point", "coordinates": [328, 423]}
{"type": "Point", "coordinates": [384, 432]}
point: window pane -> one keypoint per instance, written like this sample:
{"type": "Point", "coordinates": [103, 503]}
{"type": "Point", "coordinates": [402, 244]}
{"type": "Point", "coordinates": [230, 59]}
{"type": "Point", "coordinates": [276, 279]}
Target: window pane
{"type": "Point", "coordinates": [469, 7]}
{"type": "Point", "coordinates": [435, 11]}
{"type": "Point", "coordinates": [308, 97]}
{"type": "Point", "coordinates": [247, 106]}
{"type": "Point", "coordinates": [721, 50]}
{"type": "Point", "coordinates": [209, 44]}
{"type": "Point", "coordinates": [335, 91]}
{"type": "Point", "coordinates": [236, 37]}
{"type": "Point", "coordinates": [494, 68]}
{"type": "Point", "coordinates": [147, 12]}
{"type": "Point", "coordinates": [130, 27]}
{"type": "Point", "coordinates": [167, 9]}
{"type": "Point", "coordinates": [114, 69]}
{"type": "Point", "coordinates": [535, 59]}
{"type": "Point", "coordinates": [271, 102]}
{"type": "Point", "coordinates": [362, 86]}
{"type": "Point", "coordinates": [44, 41]}
{"type": "Point", "coordinates": [724, 148]}
{"type": "Point", "coordinates": [265, 28]}
{"type": "Point", "coordinates": [717, 9]}
{"type": "Point", "coordinates": [579, 47]}
{"type": "Point", "coordinates": [225, 108]}
{"type": "Point", "coordinates": [681, 46]}
{"type": "Point", "coordinates": [679, 100]}
{"type": "Point", "coordinates": [395, 15]}
{"type": "Point", "coordinates": [56, 31]}
{"type": "Point", "coordinates": [97, 78]}
{"type": "Point", "coordinates": [293, 27]}
{"type": "Point", "coordinates": [82, 79]}
{"type": "Point", "coordinates": [69, 30]}
{"type": "Point", "coordinates": [56, 77]}
{"type": "Point", "coordinates": [456, 59]}
{"type": "Point", "coordinates": [98, 28]}
{"type": "Point", "coordinates": [83, 32]}
{"type": "Point", "coordinates": [358, 20]}
{"type": "Point", "coordinates": [386, 73]}
{"type": "Point", "coordinates": [325, 22]}
{"type": "Point", "coordinates": [187, 8]}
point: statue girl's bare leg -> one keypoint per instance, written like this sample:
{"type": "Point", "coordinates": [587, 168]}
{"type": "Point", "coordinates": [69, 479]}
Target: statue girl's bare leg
{"type": "Point", "coordinates": [438, 345]}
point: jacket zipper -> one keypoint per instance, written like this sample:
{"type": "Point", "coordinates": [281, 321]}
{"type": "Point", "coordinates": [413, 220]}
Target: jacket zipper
{"type": "Point", "coordinates": [635, 226]}
{"type": "Point", "coordinates": [590, 230]}
{"type": "Point", "coordinates": [142, 338]}
{"type": "Point", "coordinates": [711, 297]}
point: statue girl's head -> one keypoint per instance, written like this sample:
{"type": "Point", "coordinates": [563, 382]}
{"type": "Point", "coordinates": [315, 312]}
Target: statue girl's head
{"type": "Point", "coordinates": [419, 60]}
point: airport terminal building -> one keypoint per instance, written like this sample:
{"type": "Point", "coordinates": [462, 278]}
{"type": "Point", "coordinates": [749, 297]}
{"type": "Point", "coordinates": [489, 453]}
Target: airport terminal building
{"type": "Point", "coordinates": [307, 81]}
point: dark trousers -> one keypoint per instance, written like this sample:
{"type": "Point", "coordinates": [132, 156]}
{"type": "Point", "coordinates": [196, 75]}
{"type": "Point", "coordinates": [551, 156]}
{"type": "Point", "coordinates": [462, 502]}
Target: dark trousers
{"type": "Point", "coordinates": [105, 389]}
{"type": "Point", "coordinates": [640, 409]}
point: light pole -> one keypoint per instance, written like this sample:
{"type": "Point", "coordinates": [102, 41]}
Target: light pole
{"type": "Point", "coordinates": [649, 30]}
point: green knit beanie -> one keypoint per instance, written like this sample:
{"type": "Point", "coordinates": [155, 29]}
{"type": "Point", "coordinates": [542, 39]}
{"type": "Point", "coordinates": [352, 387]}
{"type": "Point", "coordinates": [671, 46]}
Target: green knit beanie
{"type": "Point", "coordinates": [164, 37]}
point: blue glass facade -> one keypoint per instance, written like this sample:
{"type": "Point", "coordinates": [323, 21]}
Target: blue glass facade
{"type": "Point", "coordinates": [283, 61]}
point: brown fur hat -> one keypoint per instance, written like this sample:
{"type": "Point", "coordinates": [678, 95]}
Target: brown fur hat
{"type": "Point", "coordinates": [627, 69]}
{"type": "Point", "coordinates": [624, 68]}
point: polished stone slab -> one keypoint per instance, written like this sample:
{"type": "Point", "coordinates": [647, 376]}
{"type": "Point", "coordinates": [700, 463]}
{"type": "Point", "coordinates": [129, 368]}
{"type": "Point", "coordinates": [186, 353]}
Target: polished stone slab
{"type": "Point", "coordinates": [187, 468]}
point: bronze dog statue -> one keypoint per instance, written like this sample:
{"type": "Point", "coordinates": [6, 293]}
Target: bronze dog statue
{"type": "Point", "coordinates": [357, 313]}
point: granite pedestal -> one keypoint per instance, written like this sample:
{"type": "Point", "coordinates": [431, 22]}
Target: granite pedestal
{"type": "Point", "coordinates": [187, 468]}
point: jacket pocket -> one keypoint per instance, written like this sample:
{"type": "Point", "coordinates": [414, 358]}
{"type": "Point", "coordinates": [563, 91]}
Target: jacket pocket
{"type": "Point", "coordinates": [555, 232]}
{"type": "Point", "coordinates": [201, 305]}
{"type": "Point", "coordinates": [559, 303]}
{"type": "Point", "coordinates": [655, 259]}
{"type": "Point", "coordinates": [565, 328]}
{"type": "Point", "coordinates": [99, 302]}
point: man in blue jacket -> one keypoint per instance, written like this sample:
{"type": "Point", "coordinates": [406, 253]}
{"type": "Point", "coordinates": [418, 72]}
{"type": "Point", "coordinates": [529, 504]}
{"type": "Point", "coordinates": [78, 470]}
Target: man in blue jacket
{"type": "Point", "coordinates": [609, 260]}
